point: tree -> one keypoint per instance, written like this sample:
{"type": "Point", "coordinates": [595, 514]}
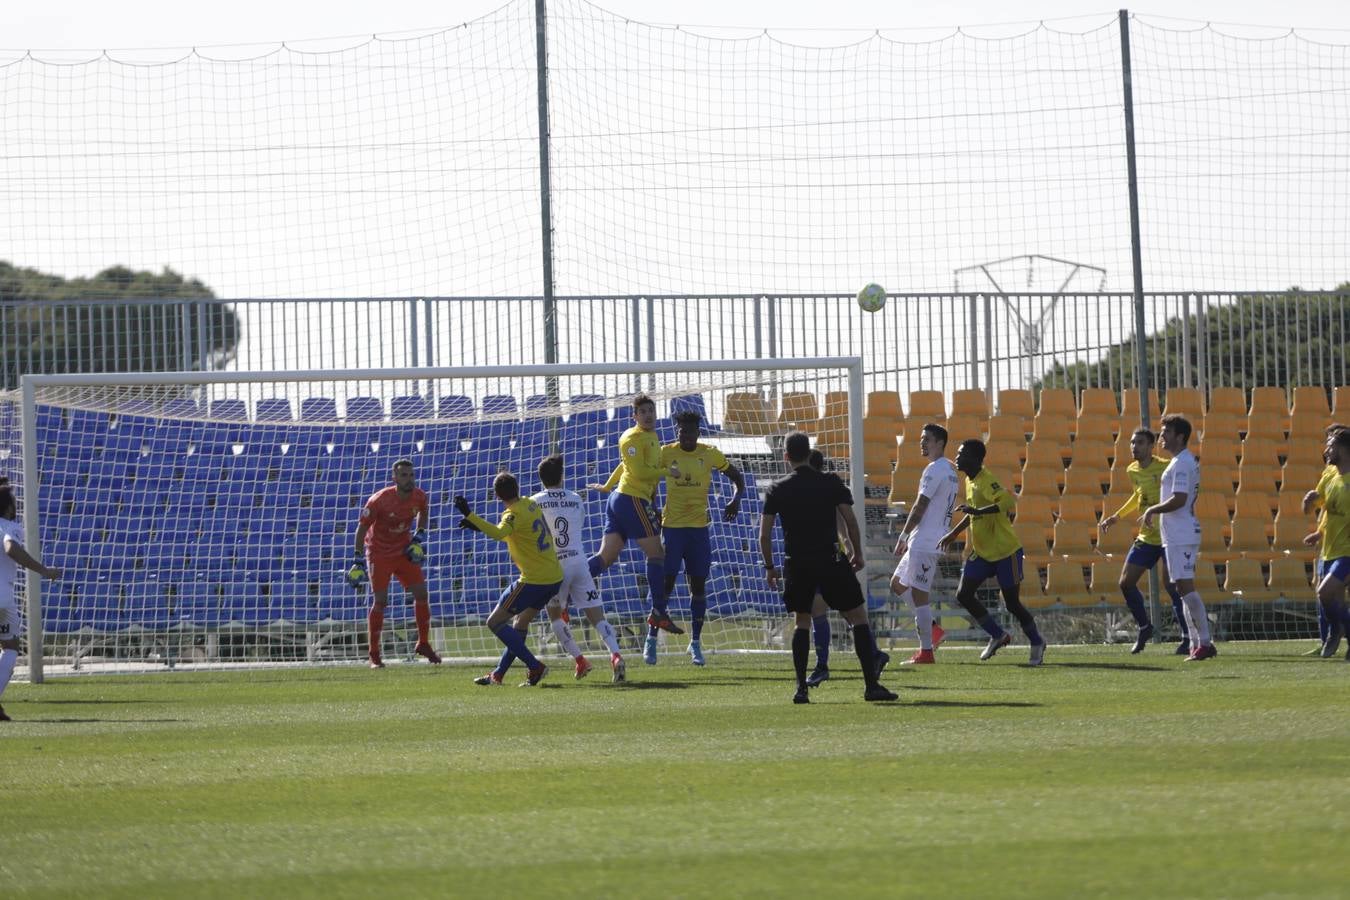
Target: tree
{"type": "Point", "coordinates": [1291, 338]}
{"type": "Point", "coordinates": [118, 321]}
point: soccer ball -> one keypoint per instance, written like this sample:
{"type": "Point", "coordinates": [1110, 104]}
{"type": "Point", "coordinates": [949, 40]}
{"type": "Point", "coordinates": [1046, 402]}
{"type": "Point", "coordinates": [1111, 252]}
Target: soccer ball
{"type": "Point", "coordinates": [872, 297]}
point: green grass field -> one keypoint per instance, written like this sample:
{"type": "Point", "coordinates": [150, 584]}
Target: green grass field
{"type": "Point", "coordinates": [1100, 774]}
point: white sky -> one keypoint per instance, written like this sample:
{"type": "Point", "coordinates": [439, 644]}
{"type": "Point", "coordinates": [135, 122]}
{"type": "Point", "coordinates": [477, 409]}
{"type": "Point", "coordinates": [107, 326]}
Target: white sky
{"type": "Point", "coordinates": [84, 24]}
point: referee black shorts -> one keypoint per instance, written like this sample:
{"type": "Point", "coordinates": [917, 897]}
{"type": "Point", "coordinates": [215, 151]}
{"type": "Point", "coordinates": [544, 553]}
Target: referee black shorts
{"type": "Point", "coordinates": [830, 576]}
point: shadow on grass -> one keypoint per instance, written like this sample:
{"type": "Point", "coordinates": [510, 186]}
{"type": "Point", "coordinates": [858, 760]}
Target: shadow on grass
{"type": "Point", "coordinates": [656, 685]}
{"type": "Point", "coordinates": [37, 702]}
{"type": "Point", "coordinates": [1119, 667]}
{"type": "Point", "coordinates": [1013, 704]}
{"type": "Point", "coordinates": [100, 721]}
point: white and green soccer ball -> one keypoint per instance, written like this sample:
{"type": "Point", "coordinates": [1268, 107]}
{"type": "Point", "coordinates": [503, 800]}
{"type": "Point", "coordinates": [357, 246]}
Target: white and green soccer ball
{"type": "Point", "coordinates": [872, 297]}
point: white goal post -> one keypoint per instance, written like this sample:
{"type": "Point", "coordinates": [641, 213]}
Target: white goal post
{"type": "Point", "coordinates": [175, 500]}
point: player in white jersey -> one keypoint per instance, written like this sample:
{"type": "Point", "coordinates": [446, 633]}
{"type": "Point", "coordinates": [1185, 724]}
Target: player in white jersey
{"type": "Point", "coordinates": [564, 511]}
{"type": "Point", "coordinates": [929, 518]}
{"type": "Point", "coordinates": [1180, 528]}
{"type": "Point", "coordinates": [14, 556]}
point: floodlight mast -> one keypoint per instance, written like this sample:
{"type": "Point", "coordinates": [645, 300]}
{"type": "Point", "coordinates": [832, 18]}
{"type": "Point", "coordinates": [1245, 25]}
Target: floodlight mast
{"type": "Point", "coordinates": [1029, 333]}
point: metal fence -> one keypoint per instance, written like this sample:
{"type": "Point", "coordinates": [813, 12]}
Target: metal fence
{"type": "Point", "coordinates": [919, 341]}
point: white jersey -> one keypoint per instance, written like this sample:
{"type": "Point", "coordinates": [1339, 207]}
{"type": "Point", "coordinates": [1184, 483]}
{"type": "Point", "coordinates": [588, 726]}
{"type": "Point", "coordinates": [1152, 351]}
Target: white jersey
{"type": "Point", "coordinates": [9, 569]}
{"type": "Point", "coordinates": [938, 484]}
{"type": "Point", "coordinates": [1182, 476]}
{"type": "Point", "coordinates": [565, 513]}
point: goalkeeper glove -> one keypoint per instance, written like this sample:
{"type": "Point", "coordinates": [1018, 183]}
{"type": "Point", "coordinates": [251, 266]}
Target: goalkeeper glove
{"type": "Point", "coordinates": [462, 505]}
{"type": "Point", "coordinates": [417, 550]}
{"type": "Point", "coordinates": [358, 574]}
{"type": "Point", "coordinates": [465, 523]}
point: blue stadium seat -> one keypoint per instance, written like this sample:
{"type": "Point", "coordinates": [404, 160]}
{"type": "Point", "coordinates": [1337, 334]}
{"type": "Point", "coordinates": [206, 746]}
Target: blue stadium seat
{"type": "Point", "coordinates": [290, 602]}
{"type": "Point", "coordinates": [365, 409]}
{"type": "Point", "coordinates": [411, 406]}
{"type": "Point", "coordinates": [499, 405]}
{"type": "Point", "coordinates": [145, 605]}
{"type": "Point", "coordinates": [180, 408]}
{"type": "Point", "coordinates": [694, 402]}
{"type": "Point", "coordinates": [318, 409]}
{"type": "Point", "coordinates": [229, 409]}
{"type": "Point", "coordinates": [456, 407]}
{"type": "Point", "coordinates": [242, 603]}
{"type": "Point", "coordinates": [197, 604]}
{"type": "Point", "coordinates": [274, 409]}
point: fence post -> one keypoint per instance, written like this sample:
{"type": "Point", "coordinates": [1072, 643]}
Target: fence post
{"type": "Point", "coordinates": [973, 313]}
{"type": "Point", "coordinates": [1186, 340]}
{"type": "Point", "coordinates": [1201, 346]}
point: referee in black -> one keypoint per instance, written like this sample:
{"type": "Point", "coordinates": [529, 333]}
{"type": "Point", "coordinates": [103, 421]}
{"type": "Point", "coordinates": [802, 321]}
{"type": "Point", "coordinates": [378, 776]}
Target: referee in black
{"type": "Point", "coordinates": [807, 501]}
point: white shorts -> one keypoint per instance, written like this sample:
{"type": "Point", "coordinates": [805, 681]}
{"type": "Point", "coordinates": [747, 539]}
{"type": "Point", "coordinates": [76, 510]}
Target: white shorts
{"type": "Point", "coordinates": [1181, 560]}
{"type": "Point", "coordinates": [11, 625]}
{"type": "Point", "coordinates": [578, 587]}
{"type": "Point", "coordinates": [916, 569]}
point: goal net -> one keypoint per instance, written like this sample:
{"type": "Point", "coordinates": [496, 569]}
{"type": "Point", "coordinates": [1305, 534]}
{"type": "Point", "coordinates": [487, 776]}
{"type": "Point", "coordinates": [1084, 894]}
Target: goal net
{"type": "Point", "coordinates": [208, 519]}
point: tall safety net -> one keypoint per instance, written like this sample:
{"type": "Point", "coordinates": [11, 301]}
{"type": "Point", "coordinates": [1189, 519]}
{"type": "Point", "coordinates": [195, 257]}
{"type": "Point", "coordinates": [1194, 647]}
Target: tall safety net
{"type": "Point", "coordinates": [211, 523]}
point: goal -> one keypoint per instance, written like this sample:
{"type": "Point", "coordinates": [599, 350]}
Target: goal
{"type": "Point", "coordinates": [206, 519]}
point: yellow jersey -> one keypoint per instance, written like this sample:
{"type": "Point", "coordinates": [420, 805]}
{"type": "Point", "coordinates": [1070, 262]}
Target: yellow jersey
{"type": "Point", "coordinates": [991, 537]}
{"type": "Point", "coordinates": [640, 458]}
{"type": "Point", "coordinates": [1328, 473]}
{"type": "Point", "coordinates": [1147, 481]}
{"type": "Point", "coordinates": [687, 496]}
{"type": "Point", "coordinates": [1335, 525]}
{"type": "Point", "coordinates": [527, 540]}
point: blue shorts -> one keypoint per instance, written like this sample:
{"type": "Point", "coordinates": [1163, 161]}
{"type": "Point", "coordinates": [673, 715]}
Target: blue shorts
{"type": "Point", "coordinates": [1145, 556]}
{"type": "Point", "coordinates": [519, 596]}
{"type": "Point", "coordinates": [1338, 568]}
{"type": "Point", "coordinates": [631, 518]}
{"type": "Point", "coordinates": [1008, 569]}
{"type": "Point", "coordinates": [1319, 565]}
{"type": "Point", "coordinates": [690, 547]}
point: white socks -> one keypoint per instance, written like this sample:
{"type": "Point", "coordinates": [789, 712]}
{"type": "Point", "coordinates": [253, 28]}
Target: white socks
{"type": "Point", "coordinates": [8, 659]}
{"type": "Point", "coordinates": [923, 617]}
{"type": "Point", "coordinates": [564, 633]}
{"type": "Point", "coordinates": [607, 635]}
{"type": "Point", "coordinates": [1196, 619]}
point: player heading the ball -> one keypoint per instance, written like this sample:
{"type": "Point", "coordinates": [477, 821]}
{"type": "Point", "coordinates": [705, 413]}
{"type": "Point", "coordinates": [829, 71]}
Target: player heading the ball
{"type": "Point", "coordinates": [387, 547]}
{"type": "Point", "coordinates": [630, 514]}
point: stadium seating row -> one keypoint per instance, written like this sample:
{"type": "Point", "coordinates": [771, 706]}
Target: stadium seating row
{"type": "Point", "coordinates": [1071, 584]}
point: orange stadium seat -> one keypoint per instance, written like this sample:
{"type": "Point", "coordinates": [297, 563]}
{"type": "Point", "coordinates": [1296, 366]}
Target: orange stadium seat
{"type": "Point", "coordinates": [1249, 539]}
{"type": "Point", "coordinates": [1097, 429]}
{"type": "Point", "coordinates": [1244, 581]}
{"type": "Point", "coordinates": [1065, 582]}
{"type": "Point", "coordinates": [1289, 579]}
{"type": "Point", "coordinates": [1098, 403]}
{"type": "Point", "coordinates": [1212, 543]}
{"type": "Point", "coordinates": [1340, 404]}
{"type": "Point", "coordinates": [1300, 475]}
{"type": "Point", "coordinates": [1311, 400]}
{"type": "Point", "coordinates": [1081, 511]}
{"type": "Point", "coordinates": [1218, 463]}
{"type": "Point", "coordinates": [1223, 426]}
{"type": "Point", "coordinates": [1057, 403]}
{"type": "Point", "coordinates": [1038, 509]}
{"type": "Point", "coordinates": [970, 402]}
{"type": "Point", "coordinates": [748, 413]}
{"type": "Point", "coordinates": [927, 406]}
{"type": "Point", "coordinates": [1017, 402]}
{"type": "Point", "coordinates": [1256, 508]}
{"type": "Point", "coordinates": [905, 478]}
{"type": "Point", "coordinates": [1104, 581]}
{"type": "Point", "coordinates": [1206, 578]}
{"type": "Point", "coordinates": [1054, 430]}
{"type": "Point", "coordinates": [1040, 481]}
{"type": "Point", "coordinates": [1269, 413]}
{"type": "Point", "coordinates": [1186, 402]}
{"type": "Point", "coordinates": [1034, 545]}
{"type": "Point", "coordinates": [1129, 409]}
{"type": "Point", "coordinates": [1073, 540]}
{"type": "Point", "coordinates": [1120, 483]}
{"type": "Point", "coordinates": [1097, 454]}
{"type": "Point", "coordinates": [963, 427]}
{"type": "Point", "coordinates": [1305, 452]}
{"type": "Point", "coordinates": [1231, 401]}
{"type": "Point", "coordinates": [1033, 595]}
{"type": "Point", "coordinates": [885, 405]}
{"type": "Point", "coordinates": [1289, 534]}
{"type": "Point", "coordinates": [1261, 450]}
{"type": "Point", "coordinates": [1085, 479]}
{"type": "Point", "coordinates": [800, 411]}
{"type": "Point", "coordinates": [1118, 539]}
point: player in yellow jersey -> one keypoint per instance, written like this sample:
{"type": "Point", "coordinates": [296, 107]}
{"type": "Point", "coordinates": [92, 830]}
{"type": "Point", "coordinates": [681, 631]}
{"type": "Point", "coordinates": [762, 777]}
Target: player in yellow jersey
{"type": "Point", "coordinates": [630, 513]}
{"type": "Point", "coordinates": [523, 529]}
{"type": "Point", "coordinates": [1334, 492]}
{"type": "Point", "coordinates": [995, 551]}
{"type": "Point", "coordinates": [685, 525]}
{"type": "Point", "coordinates": [1313, 501]}
{"type": "Point", "coordinates": [1145, 474]}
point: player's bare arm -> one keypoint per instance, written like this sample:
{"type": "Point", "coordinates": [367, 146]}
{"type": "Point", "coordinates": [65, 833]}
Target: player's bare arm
{"type": "Point", "coordinates": [766, 549]}
{"type": "Point", "coordinates": [916, 511]}
{"type": "Point", "coordinates": [1175, 502]}
{"type": "Point", "coordinates": [845, 512]}
{"type": "Point", "coordinates": [945, 543]}
{"type": "Point", "coordinates": [733, 508]}
{"type": "Point", "coordinates": [21, 556]}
